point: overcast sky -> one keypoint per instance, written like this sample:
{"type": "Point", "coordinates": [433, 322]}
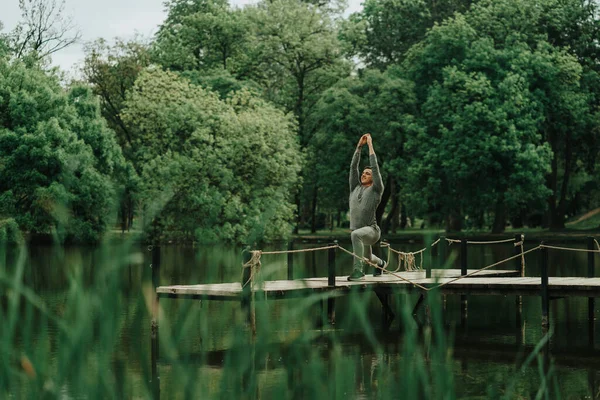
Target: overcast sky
{"type": "Point", "coordinates": [107, 19]}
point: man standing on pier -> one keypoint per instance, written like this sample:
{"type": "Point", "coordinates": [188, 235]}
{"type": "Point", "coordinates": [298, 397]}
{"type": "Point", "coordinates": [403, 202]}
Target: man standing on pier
{"type": "Point", "coordinates": [365, 196]}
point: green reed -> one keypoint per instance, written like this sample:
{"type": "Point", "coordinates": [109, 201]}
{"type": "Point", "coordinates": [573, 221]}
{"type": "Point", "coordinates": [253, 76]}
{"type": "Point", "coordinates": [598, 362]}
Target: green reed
{"type": "Point", "coordinates": [93, 341]}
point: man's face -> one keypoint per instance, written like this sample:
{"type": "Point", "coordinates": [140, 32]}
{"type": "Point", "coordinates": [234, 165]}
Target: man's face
{"type": "Point", "coordinates": [367, 177]}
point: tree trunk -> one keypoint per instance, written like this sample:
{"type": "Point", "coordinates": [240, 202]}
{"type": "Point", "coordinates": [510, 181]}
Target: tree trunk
{"type": "Point", "coordinates": [313, 210]}
{"type": "Point", "coordinates": [499, 216]}
{"type": "Point", "coordinates": [384, 199]}
{"type": "Point", "coordinates": [298, 211]}
{"type": "Point", "coordinates": [389, 221]}
{"type": "Point", "coordinates": [404, 217]}
{"type": "Point", "coordinates": [559, 220]}
{"type": "Point", "coordinates": [518, 220]}
{"type": "Point", "coordinates": [454, 221]}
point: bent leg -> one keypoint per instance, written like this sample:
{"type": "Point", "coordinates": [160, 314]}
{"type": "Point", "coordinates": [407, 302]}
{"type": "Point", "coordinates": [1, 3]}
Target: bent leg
{"type": "Point", "coordinates": [362, 239]}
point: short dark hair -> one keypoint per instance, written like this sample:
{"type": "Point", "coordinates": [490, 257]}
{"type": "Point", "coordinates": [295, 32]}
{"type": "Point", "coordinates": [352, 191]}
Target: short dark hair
{"type": "Point", "coordinates": [368, 167]}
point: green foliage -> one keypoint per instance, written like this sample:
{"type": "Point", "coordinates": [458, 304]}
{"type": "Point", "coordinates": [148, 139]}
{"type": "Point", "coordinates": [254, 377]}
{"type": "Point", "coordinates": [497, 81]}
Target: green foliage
{"type": "Point", "coordinates": [9, 231]}
{"type": "Point", "coordinates": [294, 54]}
{"type": "Point", "coordinates": [56, 156]}
{"type": "Point", "coordinates": [220, 81]}
{"type": "Point", "coordinates": [212, 169]}
{"type": "Point", "coordinates": [490, 98]}
{"type": "Point", "coordinates": [112, 71]}
{"type": "Point", "coordinates": [383, 31]}
{"type": "Point", "coordinates": [200, 35]}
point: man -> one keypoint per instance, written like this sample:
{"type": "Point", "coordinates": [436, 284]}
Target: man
{"type": "Point", "coordinates": [365, 196]}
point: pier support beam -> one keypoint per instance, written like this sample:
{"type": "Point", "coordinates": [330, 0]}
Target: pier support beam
{"type": "Point", "coordinates": [247, 282]}
{"type": "Point", "coordinates": [464, 305]}
{"type": "Point", "coordinates": [331, 282]}
{"type": "Point", "coordinates": [591, 305]}
{"type": "Point", "coordinates": [519, 299]}
{"type": "Point", "coordinates": [419, 304]}
{"type": "Point", "coordinates": [387, 314]}
{"type": "Point", "coordinates": [544, 294]}
{"type": "Point", "coordinates": [154, 342]}
{"type": "Point", "coordinates": [290, 262]}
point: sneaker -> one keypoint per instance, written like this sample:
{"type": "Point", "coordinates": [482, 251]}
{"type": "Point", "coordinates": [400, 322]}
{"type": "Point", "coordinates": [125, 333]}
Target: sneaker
{"type": "Point", "coordinates": [356, 275]}
{"type": "Point", "coordinates": [377, 271]}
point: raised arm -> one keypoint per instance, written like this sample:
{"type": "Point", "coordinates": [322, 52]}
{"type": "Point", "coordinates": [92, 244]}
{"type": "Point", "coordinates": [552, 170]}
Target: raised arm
{"type": "Point", "coordinates": [354, 172]}
{"type": "Point", "coordinates": [377, 181]}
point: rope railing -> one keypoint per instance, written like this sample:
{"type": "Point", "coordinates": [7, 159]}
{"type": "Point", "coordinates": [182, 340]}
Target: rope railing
{"type": "Point", "coordinates": [301, 250]}
{"type": "Point", "coordinates": [408, 258]}
{"type": "Point", "coordinates": [573, 249]}
{"type": "Point", "coordinates": [450, 241]}
{"type": "Point", "coordinates": [486, 268]}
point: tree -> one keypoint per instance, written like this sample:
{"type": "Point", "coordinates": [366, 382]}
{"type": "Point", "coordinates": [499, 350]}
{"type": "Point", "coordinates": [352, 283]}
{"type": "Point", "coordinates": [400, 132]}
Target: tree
{"type": "Point", "coordinates": [112, 71]}
{"type": "Point", "coordinates": [294, 55]}
{"type": "Point", "coordinates": [383, 31]}
{"type": "Point", "coordinates": [490, 96]}
{"type": "Point", "coordinates": [57, 157]}
{"type": "Point", "coordinates": [200, 35]}
{"type": "Point", "coordinates": [44, 29]}
{"type": "Point", "coordinates": [569, 124]}
{"type": "Point", "coordinates": [212, 169]}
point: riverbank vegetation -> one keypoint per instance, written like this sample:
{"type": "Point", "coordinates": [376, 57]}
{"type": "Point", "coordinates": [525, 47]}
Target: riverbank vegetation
{"type": "Point", "coordinates": [238, 124]}
{"type": "Point", "coordinates": [85, 332]}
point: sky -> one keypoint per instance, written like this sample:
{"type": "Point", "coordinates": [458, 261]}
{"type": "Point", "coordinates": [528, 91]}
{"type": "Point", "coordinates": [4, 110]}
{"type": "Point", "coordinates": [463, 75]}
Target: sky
{"type": "Point", "coordinates": [107, 19]}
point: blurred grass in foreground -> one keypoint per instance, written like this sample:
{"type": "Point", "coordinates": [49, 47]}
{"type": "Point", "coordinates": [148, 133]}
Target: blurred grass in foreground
{"type": "Point", "coordinates": [96, 345]}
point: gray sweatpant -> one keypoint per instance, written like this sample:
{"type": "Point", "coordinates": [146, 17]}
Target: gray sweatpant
{"type": "Point", "coordinates": [362, 240]}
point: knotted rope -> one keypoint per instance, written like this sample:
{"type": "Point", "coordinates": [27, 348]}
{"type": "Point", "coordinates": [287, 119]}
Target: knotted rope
{"type": "Point", "coordinates": [254, 264]}
{"type": "Point", "coordinates": [522, 243]}
{"type": "Point", "coordinates": [383, 270]}
{"type": "Point", "coordinates": [450, 241]}
{"type": "Point", "coordinates": [597, 250]}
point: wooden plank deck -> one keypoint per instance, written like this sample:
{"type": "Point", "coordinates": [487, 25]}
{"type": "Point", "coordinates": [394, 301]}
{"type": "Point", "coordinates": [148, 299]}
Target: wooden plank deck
{"type": "Point", "coordinates": [490, 282]}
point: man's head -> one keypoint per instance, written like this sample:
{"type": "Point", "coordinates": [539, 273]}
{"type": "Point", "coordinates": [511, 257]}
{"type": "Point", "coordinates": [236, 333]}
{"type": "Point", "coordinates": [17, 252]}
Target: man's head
{"type": "Point", "coordinates": [366, 178]}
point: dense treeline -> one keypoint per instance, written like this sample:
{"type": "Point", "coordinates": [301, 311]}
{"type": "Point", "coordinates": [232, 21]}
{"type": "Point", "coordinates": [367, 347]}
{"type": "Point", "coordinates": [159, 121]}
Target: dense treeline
{"type": "Point", "coordinates": [239, 123]}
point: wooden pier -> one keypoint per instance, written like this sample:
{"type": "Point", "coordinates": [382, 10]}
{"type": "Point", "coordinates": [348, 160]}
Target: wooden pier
{"type": "Point", "coordinates": [461, 281]}
{"type": "Point", "coordinates": [491, 282]}
{"type": "Point", "coordinates": [281, 289]}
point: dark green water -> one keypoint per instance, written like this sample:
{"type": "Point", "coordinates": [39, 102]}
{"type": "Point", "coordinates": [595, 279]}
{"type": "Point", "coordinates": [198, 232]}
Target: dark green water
{"type": "Point", "coordinates": [486, 349]}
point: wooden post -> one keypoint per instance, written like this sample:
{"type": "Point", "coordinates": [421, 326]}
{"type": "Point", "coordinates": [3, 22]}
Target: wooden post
{"type": "Point", "coordinates": [519, 299]}
{"type": "Point", "coordinates": [544, 294]}
{"type": "Point", "coordinates": [331, 283]}
{"type": "Point", "coordinates": [518, 264]}
{"type": "Point", "coordinates": [432, 259]}
{"type": "Point", "coordinates": [463, 271]}
{"type": "Point", "coordinates": [154, 343]}
{"type": "Point", "coordinates": [154, 361]}
{"type": "Point", "coordinates": [463, 257]}
{"type": "Point", "coordinates": [442, 253]}
{"type": "Point", "coordinates": [290, 261]}
{"type": "Point", "coordinates": [387, 314]}
{"type": "Point", "coordinates": [591, 274]}
{"type": "Point", "coordinates": [331, 265]}
{"type": "Point", "coordinates": [247, 281]}
{"type": "Point", "coordinates": [155, 284]}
